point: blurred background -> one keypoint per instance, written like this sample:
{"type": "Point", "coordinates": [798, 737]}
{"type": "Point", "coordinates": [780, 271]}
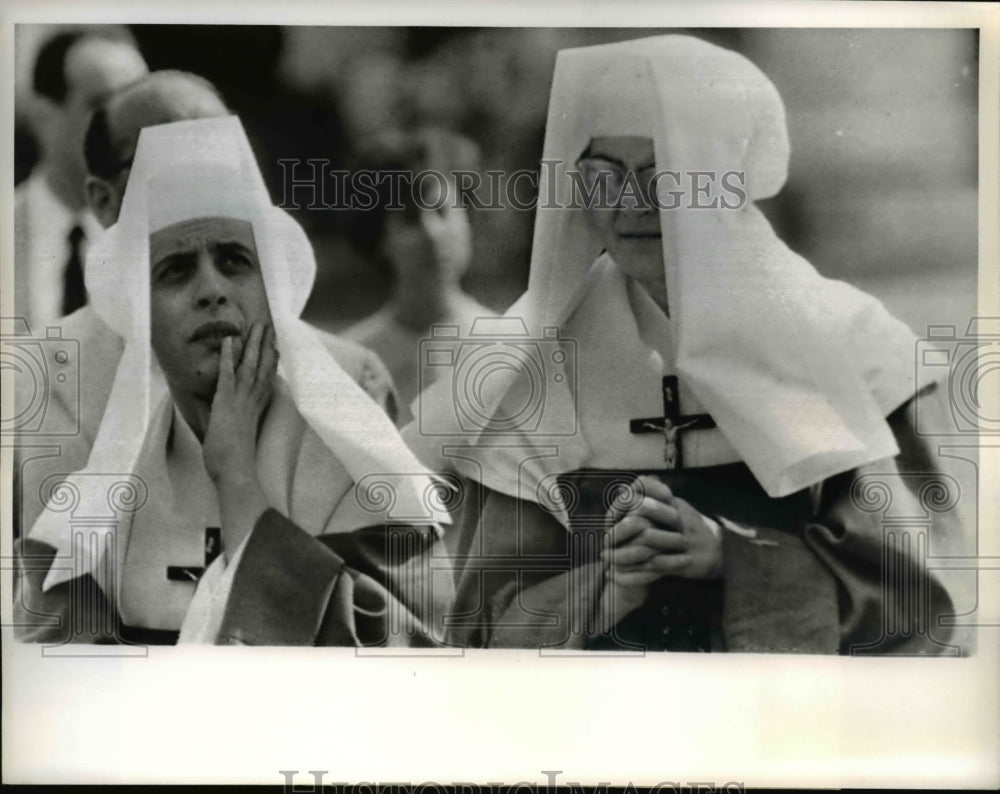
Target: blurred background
{"type": "Point", "coordinates": [883, 126]}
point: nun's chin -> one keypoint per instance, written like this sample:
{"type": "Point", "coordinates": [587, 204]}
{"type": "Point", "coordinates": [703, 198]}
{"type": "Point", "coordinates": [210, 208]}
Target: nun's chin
{"type": "Point", "coordinates": [205, 373]}
{"type": "Point", "coordinates": [203, 379]}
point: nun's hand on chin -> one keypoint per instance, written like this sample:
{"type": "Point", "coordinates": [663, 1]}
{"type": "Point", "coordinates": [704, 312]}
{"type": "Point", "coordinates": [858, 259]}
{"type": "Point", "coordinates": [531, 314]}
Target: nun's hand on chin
{"type": "Point", "coordinates": [662, 536]}
{"type": "Point", "coordinates": [241, 395]}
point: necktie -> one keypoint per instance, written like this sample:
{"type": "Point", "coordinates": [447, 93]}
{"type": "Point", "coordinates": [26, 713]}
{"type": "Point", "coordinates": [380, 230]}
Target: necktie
{"type": "Point", "coordinates": [74, 292]}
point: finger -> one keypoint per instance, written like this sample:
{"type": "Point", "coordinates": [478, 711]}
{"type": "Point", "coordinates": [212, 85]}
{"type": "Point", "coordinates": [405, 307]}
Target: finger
{"type": "Point", "coordinates": [660, 513]}
{"type": "Point", "coordinates": [694, 522]}
{"type": "Point", "coordinates": [667, 564]}
{"type": "Point", "coordinates": [264, 384]}
{"type": "Point", "coordinates": [640, 568]}
{"type": "Point", "coordinates": [225, 384]}
{"type": "Point", "coordinates": [626, 529]}
{"type": "Point", "coordinates": [631, 494]}
{"type": "Point", "coordinates": [656, 488]}
{"type": "Point", "coordinates": [633, 578]}
{"type": "Point", "coordinates": [662, 540]}
{"type": "Point", "coordinates": [268, 360]}
{"type": "Point", "coordinates": [629, 554]}
{"type": "Point", "coordinates": [246, 374]}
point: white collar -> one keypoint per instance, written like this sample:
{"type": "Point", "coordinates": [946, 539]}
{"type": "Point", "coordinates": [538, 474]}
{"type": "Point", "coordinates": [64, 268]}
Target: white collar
{"type": "Point", "coordinates": [59, 218]}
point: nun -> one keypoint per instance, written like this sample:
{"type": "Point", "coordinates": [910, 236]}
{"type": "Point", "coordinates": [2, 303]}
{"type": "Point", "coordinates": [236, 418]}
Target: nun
{"type": "Point", "coordinates": [260, 496]}
{"type": "Point", "coordinates": [674, 454]}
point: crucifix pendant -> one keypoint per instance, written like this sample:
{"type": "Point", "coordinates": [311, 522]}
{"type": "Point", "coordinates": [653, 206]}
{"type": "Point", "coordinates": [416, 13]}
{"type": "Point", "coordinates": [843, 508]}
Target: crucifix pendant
{"type": "Point", "coordinates": [671, 440]}
{"type": "Point", "coordinates": [671, 446]}
{"type": "Point", "coordinates": [671, 424]}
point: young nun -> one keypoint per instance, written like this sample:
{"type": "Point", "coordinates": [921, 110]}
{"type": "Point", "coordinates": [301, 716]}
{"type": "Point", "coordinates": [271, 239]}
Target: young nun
{"type": "Point", "coordinates": [674, 470]}
{"type": "Point", "coordinates": [248, 498]}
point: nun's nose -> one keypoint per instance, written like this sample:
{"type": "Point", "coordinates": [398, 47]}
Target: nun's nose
{"type": "Point", "coordinates": [211, 286]}
{"type": "Point", "coordinates": [637, 196]}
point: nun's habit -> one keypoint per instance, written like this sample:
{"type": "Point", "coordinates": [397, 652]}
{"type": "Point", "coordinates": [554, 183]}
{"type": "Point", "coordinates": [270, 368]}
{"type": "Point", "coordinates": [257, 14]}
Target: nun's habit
{"type": "Point", "coordinates": [320, 566]}
{"type": "Point", "coordinates": [809, 383]}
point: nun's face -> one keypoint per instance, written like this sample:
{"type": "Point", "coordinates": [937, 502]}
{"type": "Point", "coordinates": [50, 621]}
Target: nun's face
{"type": "Point", "coordinates": [205, 284]}
{"type": "Point", "coordinates": [629, 223]}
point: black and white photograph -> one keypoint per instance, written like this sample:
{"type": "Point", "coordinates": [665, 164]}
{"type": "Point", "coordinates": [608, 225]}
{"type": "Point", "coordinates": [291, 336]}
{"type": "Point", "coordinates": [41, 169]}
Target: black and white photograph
{"type": "Point", "coordinates": [462, 371]}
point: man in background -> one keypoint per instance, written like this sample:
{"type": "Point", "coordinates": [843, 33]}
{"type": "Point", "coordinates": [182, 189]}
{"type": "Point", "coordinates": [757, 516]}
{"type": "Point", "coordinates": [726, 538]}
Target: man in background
{"type": "Point", "coordinates": [108, 146]}
{"type": "Point", "coordinates": [73, 73]}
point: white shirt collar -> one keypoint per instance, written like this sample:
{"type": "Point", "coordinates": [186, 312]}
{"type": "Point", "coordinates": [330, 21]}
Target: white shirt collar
{"type": "Point", "coordinates": [49, 222]}
{"type": "Point", "coordinates": [60, 218]}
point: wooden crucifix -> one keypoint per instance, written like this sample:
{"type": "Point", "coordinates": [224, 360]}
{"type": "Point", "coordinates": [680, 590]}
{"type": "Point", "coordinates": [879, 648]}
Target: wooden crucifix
{"type": "Point", "coordinates": [192, 573]}
{"type": "Point", "coordinates": [671, 423]}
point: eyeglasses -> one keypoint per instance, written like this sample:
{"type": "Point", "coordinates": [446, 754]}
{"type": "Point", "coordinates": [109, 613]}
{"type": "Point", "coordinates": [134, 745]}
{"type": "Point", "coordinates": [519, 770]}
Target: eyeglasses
{"type": "Point", "coordinates": [118, 167]}
{"type": "Point", "coordinates": [606, 180]}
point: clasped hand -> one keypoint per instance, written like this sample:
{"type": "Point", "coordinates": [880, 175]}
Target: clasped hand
{"type": "Point", "coordinates": [661, 536]}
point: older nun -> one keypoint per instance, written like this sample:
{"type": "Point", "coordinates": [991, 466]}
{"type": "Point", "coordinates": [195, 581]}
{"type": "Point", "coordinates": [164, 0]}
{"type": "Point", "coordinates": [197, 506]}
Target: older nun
{"type": "Point", "coordinates": [679, 459]}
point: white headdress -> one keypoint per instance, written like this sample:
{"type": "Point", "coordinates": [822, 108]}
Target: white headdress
{"type": "Point", "coordinates": [205, 168]}
{"type": "Point", "coordinates": [798, 371]}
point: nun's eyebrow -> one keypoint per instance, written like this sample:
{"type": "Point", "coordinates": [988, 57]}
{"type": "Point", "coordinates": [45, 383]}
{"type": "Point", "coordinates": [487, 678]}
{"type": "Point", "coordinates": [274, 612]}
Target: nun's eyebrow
{"type": "Point", "coordinates": [183, 258]}
{"type": "Point", "coordinates": [234, 247]}
{"type": "Point", "coordinates": [591, 154]}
